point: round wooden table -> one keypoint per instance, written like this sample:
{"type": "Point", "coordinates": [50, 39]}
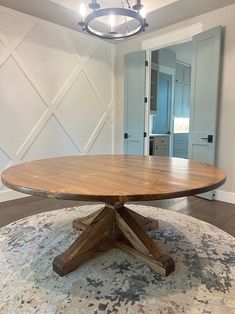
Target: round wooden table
{"type": "Point", "coordinates": [113, 180]}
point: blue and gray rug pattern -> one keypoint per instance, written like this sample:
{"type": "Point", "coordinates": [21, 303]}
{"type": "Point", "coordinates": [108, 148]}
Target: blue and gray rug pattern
{"type": "Point", "coordinates": [203, 282]}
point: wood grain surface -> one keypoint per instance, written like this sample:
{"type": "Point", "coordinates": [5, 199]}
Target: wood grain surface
{"type": "Point", "coordinates": [112, 178]}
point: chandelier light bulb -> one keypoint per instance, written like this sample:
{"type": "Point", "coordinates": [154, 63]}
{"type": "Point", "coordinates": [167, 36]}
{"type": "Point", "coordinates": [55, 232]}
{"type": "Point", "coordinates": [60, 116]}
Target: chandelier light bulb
{"type": "Point", "coordinates": [143, 13]}
{"type": "Point", "coordinates": [112, 22]}
{"type": "Point", "coordinates": [83, 10]}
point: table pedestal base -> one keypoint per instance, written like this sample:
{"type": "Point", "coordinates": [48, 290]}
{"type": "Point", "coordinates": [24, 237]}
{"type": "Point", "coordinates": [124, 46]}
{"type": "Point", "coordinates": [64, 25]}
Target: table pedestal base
{"type": "Point", "coordinates": [114, 226]}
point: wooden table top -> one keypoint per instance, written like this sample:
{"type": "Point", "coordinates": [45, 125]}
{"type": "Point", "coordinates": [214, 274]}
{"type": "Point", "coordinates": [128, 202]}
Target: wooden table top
{"type": "Point", "coordinates": [111, 178]}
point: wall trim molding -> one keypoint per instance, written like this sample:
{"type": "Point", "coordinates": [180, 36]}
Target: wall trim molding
{"type": "Point", "coordinates": [175, 37]}
{"type": "Point", "coordinates": [85, 57]}
{"type": "Point", "coordinates": [223, 196]}
{"type": "Point", "coordinates": [9, 195]}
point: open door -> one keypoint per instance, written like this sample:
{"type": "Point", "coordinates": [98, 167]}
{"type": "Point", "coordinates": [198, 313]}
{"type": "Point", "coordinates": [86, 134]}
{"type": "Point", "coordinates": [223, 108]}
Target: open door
{"type": "Point", "coordinates": [134, 103]}
{"type": "Point", "coordinates": [204, 97]}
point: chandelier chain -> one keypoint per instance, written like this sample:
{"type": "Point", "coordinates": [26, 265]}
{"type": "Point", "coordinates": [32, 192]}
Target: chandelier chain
{"type": "Point", "coordinates": [126, 22]}
{"type": "Point", "coordinates": [128, 4]}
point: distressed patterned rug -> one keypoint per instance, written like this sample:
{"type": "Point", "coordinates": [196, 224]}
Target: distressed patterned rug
{"type": "Point", "coordinates": [204, 280]}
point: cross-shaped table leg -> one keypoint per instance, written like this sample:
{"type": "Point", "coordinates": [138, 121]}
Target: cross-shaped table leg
{"type": "Point", "coordinates": [109, 227]}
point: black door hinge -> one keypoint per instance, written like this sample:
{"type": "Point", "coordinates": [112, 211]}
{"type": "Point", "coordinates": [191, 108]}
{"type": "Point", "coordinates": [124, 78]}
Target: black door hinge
{"type": "Point", "coordinates": [146, 63]}
{"type": "Point", "coordinates": [145, 134]}
{"type": "Point", "coordinates": [125, 135]}
{"type": "Point", "coordinates": [145, 100]}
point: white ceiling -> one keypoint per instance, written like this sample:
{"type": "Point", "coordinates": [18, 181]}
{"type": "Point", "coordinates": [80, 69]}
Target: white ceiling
{"type": "Point", "coordinates": [150, 5]}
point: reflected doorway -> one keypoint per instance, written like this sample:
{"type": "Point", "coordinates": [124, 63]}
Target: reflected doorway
{"type": "Point", "coordinates": [170, 100]}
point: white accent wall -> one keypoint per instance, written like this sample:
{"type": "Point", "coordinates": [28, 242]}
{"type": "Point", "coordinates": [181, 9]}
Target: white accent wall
{"type": "Point", "coordinates": [56, 92]}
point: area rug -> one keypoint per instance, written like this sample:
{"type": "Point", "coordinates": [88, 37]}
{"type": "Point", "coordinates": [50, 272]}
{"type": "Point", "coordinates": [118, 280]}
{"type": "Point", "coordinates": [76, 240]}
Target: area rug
{"type": "Point", "coordinates": [203, 282]}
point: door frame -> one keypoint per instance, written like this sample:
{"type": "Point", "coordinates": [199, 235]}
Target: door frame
{"type": "Point", "coordinates": [179, 36]}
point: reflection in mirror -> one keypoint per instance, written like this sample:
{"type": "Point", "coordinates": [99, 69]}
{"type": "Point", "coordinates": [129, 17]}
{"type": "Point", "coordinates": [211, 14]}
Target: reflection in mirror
{"type": "Point", "coordinates": [170, 100]}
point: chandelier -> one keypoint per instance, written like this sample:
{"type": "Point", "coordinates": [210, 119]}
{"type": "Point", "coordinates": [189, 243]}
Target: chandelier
{"type": "Point", "coordinates": [113, 23]}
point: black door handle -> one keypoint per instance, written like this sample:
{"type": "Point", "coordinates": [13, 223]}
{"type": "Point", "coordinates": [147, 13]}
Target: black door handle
{"type": "Point", "coordinates": [209, 138]}
{"type": "Point", "coordinates": [126, 135]}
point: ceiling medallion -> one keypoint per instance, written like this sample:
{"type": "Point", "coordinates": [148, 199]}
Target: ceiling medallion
{"type": "Point", "coordinates": [113, 23]}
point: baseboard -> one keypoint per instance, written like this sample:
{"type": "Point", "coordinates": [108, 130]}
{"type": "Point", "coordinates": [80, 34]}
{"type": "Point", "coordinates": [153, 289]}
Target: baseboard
{"type": "Point", "coordinates": [224, 196]}
{"type": "Point", "coordinates": [10, 195]}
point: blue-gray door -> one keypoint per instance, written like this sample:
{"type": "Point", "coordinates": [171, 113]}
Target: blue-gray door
{"type": "Point", "coordinates": [161, 121]}
{"type": "Point", "coordinates": [134, 102]}
{"type": "Point", "coordinates": [204, 96]}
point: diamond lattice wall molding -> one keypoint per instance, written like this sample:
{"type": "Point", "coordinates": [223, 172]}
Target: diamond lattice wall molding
{"type": "Point", "coordinates": [11, 25]}
{"type": "Point", "coordinates": [56, 91]}
{"type": "Point", "coordinates": [5, 161]}
{"type": "Point", "coordinates": [21, 106]}
{"type": "Point", "coordinates": [96, 66]}
{"type": "Point", "coordinates": [103, 143]}
{"type": "Point", "coordinates": [77, 108]}
{"type": "Point", "coordinates": [2, 50]}
{"type": "Point", "coordinates": [50, 62]}
{"type": "Point", "coordinates": [82, 46]}
{"type": "Point", "coordinates": [52, 141]}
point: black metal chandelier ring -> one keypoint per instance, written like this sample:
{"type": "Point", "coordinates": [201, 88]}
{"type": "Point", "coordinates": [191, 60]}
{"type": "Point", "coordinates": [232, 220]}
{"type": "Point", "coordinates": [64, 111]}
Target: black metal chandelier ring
{"type": "Point", "coordinates": [114, 11]}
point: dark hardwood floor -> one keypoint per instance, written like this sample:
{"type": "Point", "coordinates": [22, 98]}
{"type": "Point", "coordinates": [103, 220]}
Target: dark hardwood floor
{"type": "Point", "coordinates": [217, 213]}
